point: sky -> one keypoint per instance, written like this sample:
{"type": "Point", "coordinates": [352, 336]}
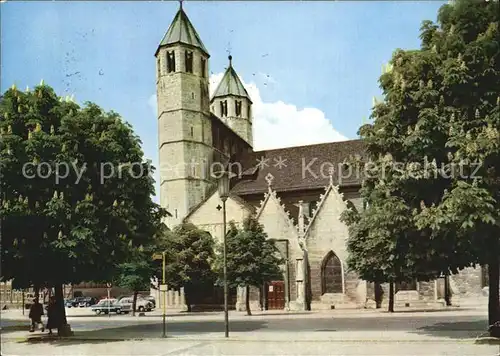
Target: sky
{"type": "Point", "coordinates": [311, 68]}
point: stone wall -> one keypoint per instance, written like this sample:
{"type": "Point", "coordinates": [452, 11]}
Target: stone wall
{"type": "Point", "coordinates": [467, 283]}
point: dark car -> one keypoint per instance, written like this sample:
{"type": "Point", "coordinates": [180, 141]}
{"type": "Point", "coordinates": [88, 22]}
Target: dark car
{"type": "Point", "coordinates": [87, 302]}
{"type": "Point", "coordinates": [75, 302]}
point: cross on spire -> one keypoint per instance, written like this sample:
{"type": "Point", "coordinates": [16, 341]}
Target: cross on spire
{"type": "Point", "coordinates": [180, 3]}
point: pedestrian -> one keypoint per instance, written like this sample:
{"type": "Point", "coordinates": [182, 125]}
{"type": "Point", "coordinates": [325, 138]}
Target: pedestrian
{"type": "Point", "coordinates": [52, 315]}
{"type": "Point", "coordinates": [36, 312]}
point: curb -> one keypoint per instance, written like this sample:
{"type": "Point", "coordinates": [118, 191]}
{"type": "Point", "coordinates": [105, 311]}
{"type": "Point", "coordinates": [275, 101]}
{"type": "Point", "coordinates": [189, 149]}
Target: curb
{"type": "Point", "coordinates": [487, 341]}
{"type": "Point", "coordinates": [490, 341]}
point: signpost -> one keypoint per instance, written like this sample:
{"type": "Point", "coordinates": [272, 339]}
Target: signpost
{"type": "Point", "coordinates": [108, 285]}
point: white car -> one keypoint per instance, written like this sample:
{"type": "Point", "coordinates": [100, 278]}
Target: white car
{"type": "Point", "coordinates": [141, 304]}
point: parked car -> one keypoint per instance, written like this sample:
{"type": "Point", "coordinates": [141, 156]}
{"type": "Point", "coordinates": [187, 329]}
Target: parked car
{"type": "Point", "coordinates": [109, 306]}
{"type": "Point", "coordinates": [151, 299]}
{"type": "Point", "coordinates": [141, 304]}
{"type": "Point", "coordinates": [87, 302]}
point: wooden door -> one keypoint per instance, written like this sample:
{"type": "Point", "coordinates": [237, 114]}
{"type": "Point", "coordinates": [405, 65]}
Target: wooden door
{"type": "Point", "coordinates": [276, 295]}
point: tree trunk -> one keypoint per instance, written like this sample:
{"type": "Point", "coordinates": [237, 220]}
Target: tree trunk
{"type": "Point", "coordinates": [247, 300]}
{"type": "Point", "coordinates": [447, 294]}
{"type": "Point", "coordinates": [63, 328]}
{"type": "Point", "coordinates": [134, 303]}
{"type": "Point", "coordinates": [187, 298]}
{"type": "Point", "coordinates": [494, 298]}
{"type": "Point", "coordinates": [391, 297]}
{"type": "Point", "coordinates": [378, 295]}
{"type": "Point", "coordinates": [37, 292]}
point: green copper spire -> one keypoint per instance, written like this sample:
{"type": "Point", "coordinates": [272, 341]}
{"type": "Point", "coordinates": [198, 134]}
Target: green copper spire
{"type": "Point", "coordinates": [181, 30]}
{"type": "Point", "coordinates": [231, 84]}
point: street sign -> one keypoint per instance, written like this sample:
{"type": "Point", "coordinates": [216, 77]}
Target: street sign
{"type": "Point", "coordinates": [157, 256]}
{"type": "Point", "coordinates": [163, 287]}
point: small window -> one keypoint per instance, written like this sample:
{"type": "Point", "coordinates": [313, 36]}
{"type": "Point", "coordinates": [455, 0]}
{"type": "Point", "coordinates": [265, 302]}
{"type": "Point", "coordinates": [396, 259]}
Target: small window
{"type": "Point", "coordinates": [202, 131]}
{"type": "Point", "coordinates": [192, 95]}
{"type": "Point", "coordinates": [237, 107]}
{"type": "Point", "coordinates": [248, 112]}
{"type": "Point", "coordinates": [203, 66]}
{"type": "Point", "coordinates": [189, 61]}
{"type": "Point", "coordinates": [176, 213]}
{"type": "Point", "coordinates": [223, 108]}
{"type": "Point", "coordinates": [192, 131]}
{"type": "Point", "coordinates": [170, 61]}
{"type": "Point", "coordinates": [159, 67]}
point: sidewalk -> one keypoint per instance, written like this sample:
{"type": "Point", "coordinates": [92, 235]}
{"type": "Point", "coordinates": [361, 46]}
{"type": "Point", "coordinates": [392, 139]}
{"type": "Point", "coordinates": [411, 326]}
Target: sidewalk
{"type": "Point", "coordinates": [262, 344]}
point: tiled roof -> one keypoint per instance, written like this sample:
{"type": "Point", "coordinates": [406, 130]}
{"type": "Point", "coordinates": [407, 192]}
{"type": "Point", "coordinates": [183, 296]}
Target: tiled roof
{"type": "Point", "coordinates": [297, 168]}
{"type": "Point", "coordinates": [181, 30]}
{"type": "Point", "coordinates": [231, 84]}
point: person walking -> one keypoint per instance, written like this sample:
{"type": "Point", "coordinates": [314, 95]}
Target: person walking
{"type": "Point", "coordinates": [52, 315]}
{"type": "Point", "coordinates": [36, 312]}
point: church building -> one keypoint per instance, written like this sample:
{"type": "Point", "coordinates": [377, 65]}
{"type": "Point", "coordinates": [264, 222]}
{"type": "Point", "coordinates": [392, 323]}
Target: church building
{"type": "Point", "coordinates": [296, 193]}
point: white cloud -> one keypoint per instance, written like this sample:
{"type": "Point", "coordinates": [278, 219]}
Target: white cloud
{"type": "Point", "coordinates": [279, 124]}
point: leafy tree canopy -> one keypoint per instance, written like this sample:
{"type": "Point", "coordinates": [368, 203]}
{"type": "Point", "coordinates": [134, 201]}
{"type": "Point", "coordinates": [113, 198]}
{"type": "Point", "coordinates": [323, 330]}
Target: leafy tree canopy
{"type": "Point", "coordinates": [252, 258]}
{"type": "Point", "coordinates": [75, 190]}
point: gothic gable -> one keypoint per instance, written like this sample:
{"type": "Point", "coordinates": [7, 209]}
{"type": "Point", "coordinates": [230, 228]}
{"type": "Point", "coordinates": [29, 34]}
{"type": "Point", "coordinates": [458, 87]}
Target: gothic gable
{"type": "Point", "coordinates": [325, 230]}
{"type": "Point", "coordinates": [276, 220]}
{"type": "Point", "coordinates": [208, 215]}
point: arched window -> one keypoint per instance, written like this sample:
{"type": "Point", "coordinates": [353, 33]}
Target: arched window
{"type": "Point", "coordinates": [331, 274]}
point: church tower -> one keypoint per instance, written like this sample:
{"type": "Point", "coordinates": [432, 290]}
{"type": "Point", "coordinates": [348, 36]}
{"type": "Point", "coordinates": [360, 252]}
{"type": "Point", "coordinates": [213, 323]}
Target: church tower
{"type": "Point", "coordinates": [232, 104]}
{"type": "Point", "coordinates": [184, 126]}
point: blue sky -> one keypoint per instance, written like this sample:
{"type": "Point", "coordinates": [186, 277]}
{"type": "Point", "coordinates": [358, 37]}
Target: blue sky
{"type": "Point", "coordinates": [314, 66]}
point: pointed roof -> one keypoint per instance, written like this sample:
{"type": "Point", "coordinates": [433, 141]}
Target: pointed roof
{"type": "Point", "coordinates": [181, 30]}
{"type": "Point", "coordinates": [231, 84]}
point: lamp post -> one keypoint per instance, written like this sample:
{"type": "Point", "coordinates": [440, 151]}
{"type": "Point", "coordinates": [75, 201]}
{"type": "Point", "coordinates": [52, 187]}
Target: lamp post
{"type": "Point", "coordinates": [163, 289]}
{"type": "Point", "coordinates": [224, 193]}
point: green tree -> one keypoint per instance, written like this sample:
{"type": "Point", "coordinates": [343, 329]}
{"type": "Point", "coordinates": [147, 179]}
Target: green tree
{"type": "Point", "coordinates": [252, 258]}
{"type": "Point", "coordinates": [136, 276]}
{"type": "Point", "coordinates": [75, 191]}
{"type": "Point", "coordinates": [437, 124]}
{"type": "Point", "coordinates": [189, 256]}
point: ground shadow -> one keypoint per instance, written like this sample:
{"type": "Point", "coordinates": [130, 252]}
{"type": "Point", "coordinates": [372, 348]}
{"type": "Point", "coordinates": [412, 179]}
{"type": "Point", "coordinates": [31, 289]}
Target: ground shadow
{"type": "Point", "coordinates": [456, 330]}
{"type": "Point", "coordinates": [146, 331]}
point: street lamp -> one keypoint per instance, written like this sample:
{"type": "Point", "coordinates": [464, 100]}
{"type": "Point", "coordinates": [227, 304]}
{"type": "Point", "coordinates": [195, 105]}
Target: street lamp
{"type": "Point", "coordinates": [163, 289]}
{"type": "Point", "coordinates": [224, 194]}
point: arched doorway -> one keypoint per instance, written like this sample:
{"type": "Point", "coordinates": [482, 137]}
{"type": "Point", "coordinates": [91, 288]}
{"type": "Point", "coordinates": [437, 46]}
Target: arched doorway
{"type": "Point", "coordinates": [332, 280]}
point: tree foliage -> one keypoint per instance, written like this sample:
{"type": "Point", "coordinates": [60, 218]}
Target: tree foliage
{"type": "Point", "coordinates": [75, 190]}
{"type": "Point", "coordinates": [189, 258]}
{"type": "Point", "coordinates": [252, 258]}
{"type": "Point", "coordinates": [433, 188]}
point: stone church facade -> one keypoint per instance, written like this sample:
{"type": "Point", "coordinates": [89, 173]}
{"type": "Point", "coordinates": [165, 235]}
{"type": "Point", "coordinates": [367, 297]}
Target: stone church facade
{"type": "Point", "coordinates": [296, 193]}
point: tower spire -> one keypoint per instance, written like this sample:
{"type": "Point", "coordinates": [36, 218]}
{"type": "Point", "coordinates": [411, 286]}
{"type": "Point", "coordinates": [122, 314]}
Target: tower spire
{"type": "Point", "coordinates": [230, 60]}
{"type": "Point", "coordinates": [180, 4]}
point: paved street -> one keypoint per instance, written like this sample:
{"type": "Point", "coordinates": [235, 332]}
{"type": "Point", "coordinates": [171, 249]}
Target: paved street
{"type": "Point", "coordinates": [361, 332]}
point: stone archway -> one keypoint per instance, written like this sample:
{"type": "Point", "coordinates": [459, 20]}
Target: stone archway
{"type": "Point", "coordinates": [332, 279]}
